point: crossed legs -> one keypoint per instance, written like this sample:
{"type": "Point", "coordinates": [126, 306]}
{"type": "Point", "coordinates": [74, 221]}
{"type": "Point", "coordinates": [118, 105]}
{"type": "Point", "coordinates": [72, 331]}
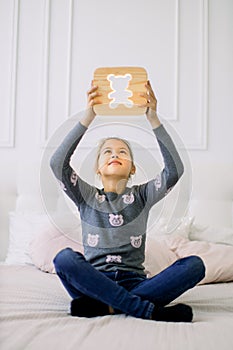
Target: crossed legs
{"type": "Point", "coordinates": [88, 286]}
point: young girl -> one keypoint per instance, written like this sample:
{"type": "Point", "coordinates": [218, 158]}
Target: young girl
{"type": "Point", "coordinates": [109, 278]}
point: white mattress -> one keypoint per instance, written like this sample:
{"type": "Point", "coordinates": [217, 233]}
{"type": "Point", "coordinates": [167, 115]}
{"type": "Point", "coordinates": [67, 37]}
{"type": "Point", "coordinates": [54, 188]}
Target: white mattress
{"type": "Point", "coordinates": [34, 315]}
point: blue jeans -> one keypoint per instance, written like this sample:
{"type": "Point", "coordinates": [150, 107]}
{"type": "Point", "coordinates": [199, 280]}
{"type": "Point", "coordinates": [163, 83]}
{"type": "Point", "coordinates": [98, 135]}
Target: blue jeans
{"type": "Point", "coordinates": [131, 293]}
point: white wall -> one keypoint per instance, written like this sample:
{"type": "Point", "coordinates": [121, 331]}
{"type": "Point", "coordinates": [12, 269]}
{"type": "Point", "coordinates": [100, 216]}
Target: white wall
{"type": "Point", "coordinates": [50, 49]}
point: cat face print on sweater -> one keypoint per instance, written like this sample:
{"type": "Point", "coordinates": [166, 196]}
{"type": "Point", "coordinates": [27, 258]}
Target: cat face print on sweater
{"type": "Point", "coordinates": [136, 241]}
{"type": "Point", "coordinates": [116, 220]}
{"type": "Point", "coordinates": [92, 240]}
{"type": "Point", "coordinates": [73, 178]}
{"type": "Point", "coordinates": [100, 197]}
{"type": "Point", "coordinates": [128, 198]}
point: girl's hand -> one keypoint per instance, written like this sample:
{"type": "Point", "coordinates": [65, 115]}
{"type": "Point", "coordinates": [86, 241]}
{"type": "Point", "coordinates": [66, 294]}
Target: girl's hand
{"type": "Point", "coordinates": [151, 104]}
{"type": "Point", "coordinates": [90, 114]}
{"type": "Point", "coordinates": [91, 96]}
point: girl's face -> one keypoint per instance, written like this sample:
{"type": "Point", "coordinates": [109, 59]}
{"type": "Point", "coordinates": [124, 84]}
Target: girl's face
{"type": "Point", "coordinates": [115, 159]}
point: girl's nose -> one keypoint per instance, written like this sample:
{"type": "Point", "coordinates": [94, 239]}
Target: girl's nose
{"type": "Point", "coordinates": [115, 156]}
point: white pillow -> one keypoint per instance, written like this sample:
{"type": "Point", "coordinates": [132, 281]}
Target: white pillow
{"type": "Point", "coordinates": [222, 235]}
{"type": "Point", "coordinates": [44, 247]}
{"type": "Point", "coordinates": [25, 226]}
{"type": "Point", "coordinates": [218, 258]}
{"type": "Point", "coordinates": [158, 255]}
{"type": "Point", "coordinates": [196, 231]}
{"type": "Point", "coordinates": [22, 228]}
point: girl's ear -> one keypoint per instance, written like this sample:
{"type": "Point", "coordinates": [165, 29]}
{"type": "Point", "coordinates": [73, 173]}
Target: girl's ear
{"type": "Point", "coordinates": [133, 170]}
{"type": "Point", "coordinates": [98, 172]}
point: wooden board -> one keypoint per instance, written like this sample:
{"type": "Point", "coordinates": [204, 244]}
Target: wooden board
{"type": "Point", "coordinates": [120, 88]}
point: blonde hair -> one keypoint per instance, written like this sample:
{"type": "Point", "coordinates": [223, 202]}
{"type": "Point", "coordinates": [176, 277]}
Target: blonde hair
{"type": "Point", "coordinates": [102, 142]}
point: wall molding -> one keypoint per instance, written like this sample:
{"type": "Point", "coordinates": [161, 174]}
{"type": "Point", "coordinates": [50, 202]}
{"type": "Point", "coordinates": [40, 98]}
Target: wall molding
{"type": "Point", "coordinates": [204, 15]}
{"type": "Point", "coordinates": [204, 93]}
{"type": "Point", "coordinates": [9, 141]}
{"type": "Point", "coordinates": [175, 115]}
{"type": "Point", "coordinates": [69, 58]}
{"type": "Point", "coordinates": [44, 134]}
{"type": "Point", "coordinates": [45, 72]}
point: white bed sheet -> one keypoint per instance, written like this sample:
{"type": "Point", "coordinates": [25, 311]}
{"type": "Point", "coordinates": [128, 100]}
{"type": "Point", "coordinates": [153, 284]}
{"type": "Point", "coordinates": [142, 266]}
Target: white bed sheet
{"type": "Point", "coordinates": [34, 315]}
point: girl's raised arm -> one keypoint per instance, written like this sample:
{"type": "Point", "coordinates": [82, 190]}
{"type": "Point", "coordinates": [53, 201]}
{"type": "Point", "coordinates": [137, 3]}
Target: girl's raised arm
{"type": "Point", "coordinates": [60, 160]}
{"type": "Point", "coordinates": [151, 104]}
{"type": "Point", "coordinates": [173, 169]}
{"type": "Point", "coordinates": [62, 155]}
{"type": "Point", "coordinates": [92, 99]}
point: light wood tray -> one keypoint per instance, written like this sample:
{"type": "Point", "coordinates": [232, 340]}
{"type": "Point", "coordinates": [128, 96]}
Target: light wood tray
{"type": "Point", "coordinates": [136, 85]}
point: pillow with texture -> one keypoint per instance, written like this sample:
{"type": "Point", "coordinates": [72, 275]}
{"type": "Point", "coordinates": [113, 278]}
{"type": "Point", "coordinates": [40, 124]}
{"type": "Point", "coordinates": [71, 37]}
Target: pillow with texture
{"type": "Point", "coordinates": [218, 258]}
{"type": "Point", "coordinates": [44, 247]}
{"type": "Point", "coordinates": [158, 256]}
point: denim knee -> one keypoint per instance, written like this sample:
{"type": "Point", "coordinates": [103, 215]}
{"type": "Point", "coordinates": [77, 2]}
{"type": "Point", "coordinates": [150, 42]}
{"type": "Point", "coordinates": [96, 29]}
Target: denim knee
{"type": "Point", "coordinates": [63, 257]}
{"type": "Point", "coordinates": [60, 258]}
{"type": "Point", "coordinates": [198, 267]}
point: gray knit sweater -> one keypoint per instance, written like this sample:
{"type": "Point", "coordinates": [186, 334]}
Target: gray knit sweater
{"type": "Point", "coordinates": [114, 225]}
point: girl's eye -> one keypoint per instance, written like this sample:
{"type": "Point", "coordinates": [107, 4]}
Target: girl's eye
{"type": "Point", "coordinates": [107, 151]}
{"type": "Point", "coordinates": [123, 152]}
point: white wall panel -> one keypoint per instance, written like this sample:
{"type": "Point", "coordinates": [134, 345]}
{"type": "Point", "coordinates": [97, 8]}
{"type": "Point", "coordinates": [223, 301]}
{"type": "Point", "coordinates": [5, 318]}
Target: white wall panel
{"type": "Point", "coordinates": [169, 38]}
{"type": "Point", "coordinates": [193, 73]}
{"type": "Point", "coordinates": [8, 65]}
{"type": "Point", "coordinates": [50, 49]}
{"type": "Point", "coordinates": [130, 33]}
{"type": "Point", "coordinates": [171, 42]}
{"type": "Point", "coordinates": [56, 64]}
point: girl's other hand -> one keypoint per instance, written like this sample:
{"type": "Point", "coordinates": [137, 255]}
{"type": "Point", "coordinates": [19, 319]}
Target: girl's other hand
{"type": "Point", "coordinates": [91, 96]}
{"type": "Point", "coordinates": [151, 104]}
{"type": "Point", "coordinates": [92, 100]}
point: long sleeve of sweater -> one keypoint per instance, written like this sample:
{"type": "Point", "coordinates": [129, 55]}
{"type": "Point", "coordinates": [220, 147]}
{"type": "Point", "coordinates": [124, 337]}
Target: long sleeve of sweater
{"type": "Point", "coordinates": [60, 160]}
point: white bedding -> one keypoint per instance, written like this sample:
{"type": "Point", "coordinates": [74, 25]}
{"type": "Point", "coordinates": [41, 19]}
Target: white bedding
{"type": "Point", "coordinates": [34, 315]}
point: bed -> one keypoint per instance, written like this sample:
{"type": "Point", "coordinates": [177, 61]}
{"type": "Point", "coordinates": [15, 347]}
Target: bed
{"type": "Point", "coordinates": [35, 307]}
{"type": "Point", "coordinates": [34, 315]}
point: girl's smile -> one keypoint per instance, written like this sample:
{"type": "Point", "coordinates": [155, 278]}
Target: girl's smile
{"type": "Point", "coordinates": [114, 162]}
